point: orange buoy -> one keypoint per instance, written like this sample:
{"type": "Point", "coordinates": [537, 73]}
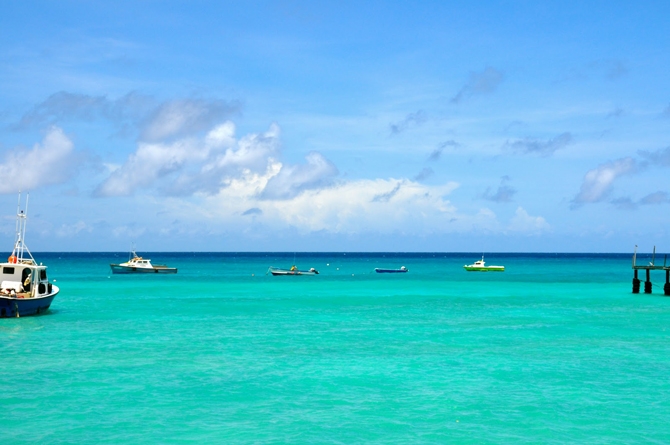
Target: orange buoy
{"type": "Point", "coordinates": [12, 259]}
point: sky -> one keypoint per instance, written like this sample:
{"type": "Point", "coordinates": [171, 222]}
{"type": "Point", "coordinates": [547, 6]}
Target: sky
{"type": "Point", "coordinates": [433, 126]}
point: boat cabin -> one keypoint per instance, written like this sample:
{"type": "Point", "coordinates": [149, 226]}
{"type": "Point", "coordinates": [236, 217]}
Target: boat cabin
{"type": "Point", "coordinates": [138, 262]}
{"type": "Point", "coordinates": [24, 280]}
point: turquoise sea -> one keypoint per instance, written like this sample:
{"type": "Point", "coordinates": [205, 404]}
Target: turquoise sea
{"type": "Point", "coordinates": [554, 350]}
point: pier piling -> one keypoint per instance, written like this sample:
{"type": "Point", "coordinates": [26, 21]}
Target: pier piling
{"type": "Point", "coordinates": [648, 268]}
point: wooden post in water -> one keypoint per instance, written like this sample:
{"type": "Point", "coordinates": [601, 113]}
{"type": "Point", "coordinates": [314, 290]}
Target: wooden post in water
{"type": "Point", "coordinates": [666, 288]}
{"type": "Point", "coordinates": [647, 284]}
{"type": "Point", "coordinates": [636, 283]}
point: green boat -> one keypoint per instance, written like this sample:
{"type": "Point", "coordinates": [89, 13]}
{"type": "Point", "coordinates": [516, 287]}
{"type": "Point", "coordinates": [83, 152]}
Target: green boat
{"type": "Point", "coordinates": [480, 266]}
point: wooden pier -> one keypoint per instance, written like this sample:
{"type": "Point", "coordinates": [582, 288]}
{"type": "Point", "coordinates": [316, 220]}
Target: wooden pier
{"type": "Point", "coordinates": [648, 268]}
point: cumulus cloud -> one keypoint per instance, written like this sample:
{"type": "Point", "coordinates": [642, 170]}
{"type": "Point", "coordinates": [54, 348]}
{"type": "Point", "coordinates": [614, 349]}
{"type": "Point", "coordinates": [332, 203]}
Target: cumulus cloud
{"type": "Point", "coordinates": [411, 119]}
{"type": "Point", "coordinates": [207, 164]}
{"type": "Point", "coordinates": [51, 162]}
{"type": "Point", "coordinates": [483, 82]}
{"type": "Point", "coordinates": [542, 148]}
{"type": "Point", "coordinates": [597, 183]}
{"type": "Point", "coordinates": [149, 163]}
{"type": "Point", "coordinates": [343, 207]}
{"type": "Point", "coordinates": [503, 194]}
{"type": "Point", "coordinates": [192, 164]}
{"type": "Point", "coordinates": [292, 180]}
{"type": "Point", "coordinates": [227, 158]}
{"type": "Point", "coordinates": [524, 223]}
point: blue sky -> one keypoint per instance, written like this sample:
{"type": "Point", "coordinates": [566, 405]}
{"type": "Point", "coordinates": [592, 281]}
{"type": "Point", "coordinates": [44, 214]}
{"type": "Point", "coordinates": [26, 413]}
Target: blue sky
{"type": "Point", "coordinates": [336, 126]}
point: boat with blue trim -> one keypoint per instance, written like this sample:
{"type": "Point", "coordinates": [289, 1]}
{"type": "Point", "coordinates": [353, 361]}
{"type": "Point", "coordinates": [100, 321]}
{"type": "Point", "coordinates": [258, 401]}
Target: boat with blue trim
{"type": "Point", "coordinates": [24, 286]}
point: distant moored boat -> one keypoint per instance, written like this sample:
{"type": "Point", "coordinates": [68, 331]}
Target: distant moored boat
{"type": "Point", "coordinates": [403, 269]}
{"type": "Point", "coordinates": [480, 266]}
{"type": "Point", "coordinates": [137, 264]}
{"type": "Point", "coordinates": [292, 271]}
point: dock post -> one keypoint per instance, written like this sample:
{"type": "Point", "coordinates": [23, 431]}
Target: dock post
{"type": "Point", "coordinates": [636, 283]}
{"type": "Point", "coordinates": [666, 288]}
{"type": "Point", "coordinates": [647, 284]}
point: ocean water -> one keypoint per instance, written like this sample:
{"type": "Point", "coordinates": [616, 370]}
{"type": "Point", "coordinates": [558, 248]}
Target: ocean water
{"type": "Point", "coordinates": [554, 350]}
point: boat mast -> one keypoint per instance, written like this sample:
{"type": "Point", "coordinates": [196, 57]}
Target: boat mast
{"type": "Point", "coordinates": [20, 247]}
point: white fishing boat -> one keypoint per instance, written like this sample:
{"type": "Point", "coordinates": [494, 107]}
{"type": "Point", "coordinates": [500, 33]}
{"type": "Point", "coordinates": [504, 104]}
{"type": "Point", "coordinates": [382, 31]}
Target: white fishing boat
{"type": "Point", "coordinates": [24, 286]}
{"type": "Point", "coordinates": [137, 264]}
{"type": "Point", "coordinates": [480, 266]}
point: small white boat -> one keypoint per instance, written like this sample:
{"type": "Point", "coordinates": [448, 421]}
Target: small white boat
{"type": "Point", "coordinates": [137, 264]}
{"type": "Point", "coordinates": [480, 266]}
{"type": "Point", "coordinates": [24, 286]}
{"type": "Point", "coordinates": [292, 271]}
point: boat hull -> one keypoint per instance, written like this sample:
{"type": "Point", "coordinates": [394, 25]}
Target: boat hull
{"type": "Point", "coordinates": [485, 269]}
{"type": "Point", "coordinates": [391, 270]}
{"type": "Point", "coordinates": [119, 269]}
{"type": "Point", "coordinates": [21, 307]}
{"type": "Point", "coordinates": [278, 272]}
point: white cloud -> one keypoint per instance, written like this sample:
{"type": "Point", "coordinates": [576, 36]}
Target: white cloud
{"type": "Point", "coordinates": [598, 182]}
{"type": "Point", "coordinates": [149, 163]}
{"type": "Point", "coordinates": [524, 223]}
{"type": "Point", "coordinates": [344, 207]}
{"type": "Point", "coordinates": [191, 164]}
{"type": "Point", "coordinates": [51, 162]}
{"type": "Point", "coordinates": [252, 153]}
{"type": "Point", "coordinates": [292, 180]}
